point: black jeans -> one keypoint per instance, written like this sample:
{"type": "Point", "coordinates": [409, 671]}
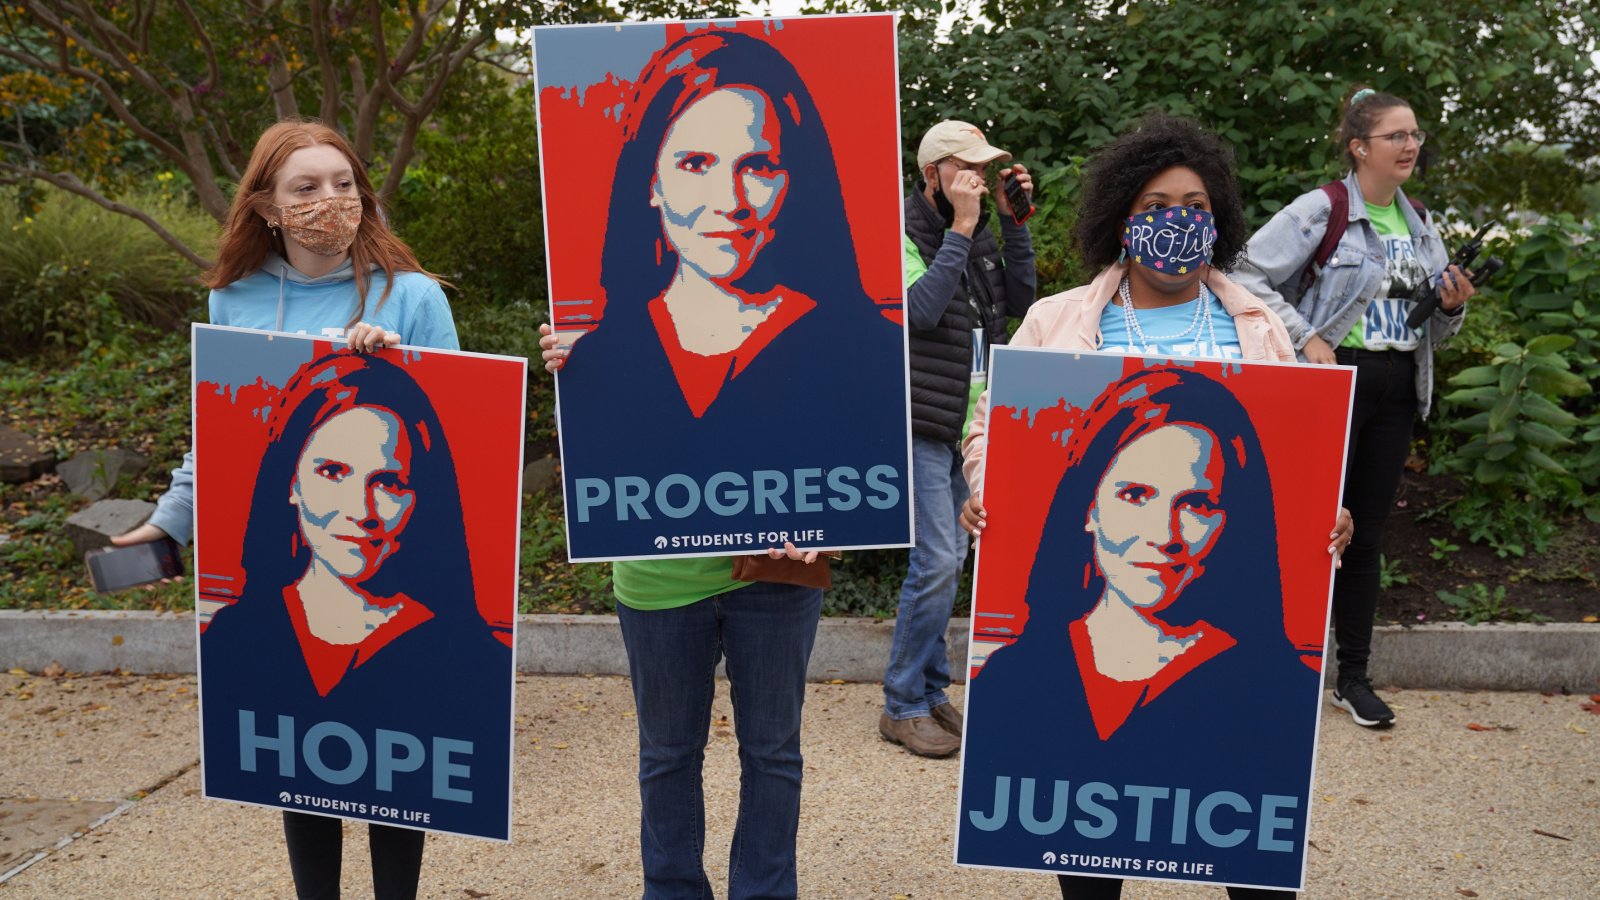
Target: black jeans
{"type": "Point", "coordinates": [315, 845]}
{"type": "Point", "coordinates": [1087, 887]}
{"type": "Point", "coordinates": [1381, 421]}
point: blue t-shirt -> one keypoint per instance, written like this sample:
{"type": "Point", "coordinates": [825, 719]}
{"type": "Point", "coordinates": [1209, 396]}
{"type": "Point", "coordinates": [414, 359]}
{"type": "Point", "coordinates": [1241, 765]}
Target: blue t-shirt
{"type": "Point", "coordinates": [1193, 337]}
{"type": "Point", "coordinates": [279, 297]}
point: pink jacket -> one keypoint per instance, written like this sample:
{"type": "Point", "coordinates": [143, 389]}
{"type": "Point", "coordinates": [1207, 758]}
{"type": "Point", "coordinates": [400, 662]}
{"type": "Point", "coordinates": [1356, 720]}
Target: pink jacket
{"type": "Point", "coordinates": [1071, 321]}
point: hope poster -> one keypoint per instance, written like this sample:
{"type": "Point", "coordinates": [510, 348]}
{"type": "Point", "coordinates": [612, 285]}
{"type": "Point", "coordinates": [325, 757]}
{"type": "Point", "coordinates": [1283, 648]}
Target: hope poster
{"type": "Point", "coordinates": [356, 577]}
{"type": "Point", "coordinates": [723, 224]}
{"type": "Point", "coordinates": [1150, 607]}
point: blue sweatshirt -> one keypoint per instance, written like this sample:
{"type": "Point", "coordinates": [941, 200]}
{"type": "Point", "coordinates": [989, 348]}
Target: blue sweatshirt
{"type": "Point", "coordinates": [279, 297]}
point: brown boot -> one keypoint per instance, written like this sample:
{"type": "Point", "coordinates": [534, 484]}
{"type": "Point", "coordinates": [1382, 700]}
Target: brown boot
{"type": "Point", "coordinates": [918, 734]}
{"type": "Point", "coordinates": [946, 716]}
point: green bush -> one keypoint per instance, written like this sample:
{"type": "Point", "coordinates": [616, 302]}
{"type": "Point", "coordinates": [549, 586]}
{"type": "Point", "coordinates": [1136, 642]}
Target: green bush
{"type": "Point", "coordinates": [1523, 401]}
{"type": "Point", "coordinates": [470, 205]}
{"type": "Point", "coordinates": [72, 272]}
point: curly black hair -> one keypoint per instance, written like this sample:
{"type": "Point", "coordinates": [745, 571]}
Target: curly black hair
{"type": "Point", "coordinates": [1121, 168]}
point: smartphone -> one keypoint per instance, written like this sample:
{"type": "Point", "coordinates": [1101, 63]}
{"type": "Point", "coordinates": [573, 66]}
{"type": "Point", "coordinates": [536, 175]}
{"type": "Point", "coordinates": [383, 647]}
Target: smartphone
{"type": "Point", "coordinates": [119, 568]}
{"type": "Point", "coordinates": [1021, 206]}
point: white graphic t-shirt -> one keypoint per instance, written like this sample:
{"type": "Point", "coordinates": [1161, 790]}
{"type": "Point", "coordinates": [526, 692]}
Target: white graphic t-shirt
{"type": "Point", "coordinates": [1383, 326]}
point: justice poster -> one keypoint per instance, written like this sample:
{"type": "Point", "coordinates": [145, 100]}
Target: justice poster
{"type": "Point", "coordinates": [356, 578]}
{"type": "Point", "coordinates": [1150, 607]}
{"type": "Point", "coordinates": [723, 225]}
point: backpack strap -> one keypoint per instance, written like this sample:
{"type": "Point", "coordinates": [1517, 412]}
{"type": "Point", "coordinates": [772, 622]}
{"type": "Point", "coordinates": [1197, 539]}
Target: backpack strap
{"type": "Point", "coordinates": [1338, 222]}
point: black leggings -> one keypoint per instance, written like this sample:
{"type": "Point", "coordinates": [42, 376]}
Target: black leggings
{"type": "Point", "coordinates": [1087, 887]}
{"type": "Point", "coordinates": [1380, 438]}
{"type": "Point", "coordinates": [315, 846]}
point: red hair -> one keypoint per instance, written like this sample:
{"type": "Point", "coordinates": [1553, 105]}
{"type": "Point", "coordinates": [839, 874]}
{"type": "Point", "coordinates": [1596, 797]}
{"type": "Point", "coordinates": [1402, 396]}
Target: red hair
{"type": "Point", "coordinates": [246, 239]}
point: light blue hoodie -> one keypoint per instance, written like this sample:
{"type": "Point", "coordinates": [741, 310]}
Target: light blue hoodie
{"type": "Point", "coordinates": [279, 297]}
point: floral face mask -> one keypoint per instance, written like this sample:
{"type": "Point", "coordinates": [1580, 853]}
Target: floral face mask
{"type": "Point", "coordinates": [326, 227]}
{"type": "Point", "coordinates": [1175, 240]}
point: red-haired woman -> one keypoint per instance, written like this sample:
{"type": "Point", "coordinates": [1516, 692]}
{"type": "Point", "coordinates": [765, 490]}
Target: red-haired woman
{"type": "Point", "coordinates": [305, 249]}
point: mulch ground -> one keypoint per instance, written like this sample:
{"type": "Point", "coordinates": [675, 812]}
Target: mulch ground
{"type": "Point", "coordinates": [1561, 584]}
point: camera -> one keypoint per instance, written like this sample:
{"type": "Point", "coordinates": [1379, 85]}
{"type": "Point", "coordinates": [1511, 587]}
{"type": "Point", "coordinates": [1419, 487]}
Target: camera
{"type": "Point", "coordinates": [1426, 296]}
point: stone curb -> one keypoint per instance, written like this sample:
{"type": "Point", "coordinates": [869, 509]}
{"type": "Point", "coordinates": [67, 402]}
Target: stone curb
{"type": "Point", "coordinates": [1449, 656]}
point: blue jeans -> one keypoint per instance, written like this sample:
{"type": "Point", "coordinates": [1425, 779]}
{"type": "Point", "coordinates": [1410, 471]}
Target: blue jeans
{"type": "Point", "coordinates": [919, 664]}
{"type": "Point", "coordinates": [766, 632]}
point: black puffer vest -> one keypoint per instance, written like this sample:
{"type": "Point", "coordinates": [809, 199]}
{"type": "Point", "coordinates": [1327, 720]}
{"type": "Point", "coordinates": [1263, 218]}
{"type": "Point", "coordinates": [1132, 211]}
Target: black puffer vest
{"type": "Point", "coordinates": [941, 356]}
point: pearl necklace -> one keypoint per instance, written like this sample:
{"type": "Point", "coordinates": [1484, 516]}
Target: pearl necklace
{"type": "Point", "coordinates": [1201, 323]}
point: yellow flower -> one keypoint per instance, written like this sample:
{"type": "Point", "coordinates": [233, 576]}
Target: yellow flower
{"type": "Point", "coordinates": [1183, 270]}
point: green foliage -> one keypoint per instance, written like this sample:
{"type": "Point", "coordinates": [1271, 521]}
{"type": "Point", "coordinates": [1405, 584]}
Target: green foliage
{"type": "Point", "coordinates": [1475, 604]}
{"type": "Point", "coordinates": [470, 206]}
{"type": "Point", "coordinates": [72, 272]}
{"type": "Point", "coordinates": [1524, 407]}
{"type": "Point", "coordinates": [549, 583]}
{"type": "Point", "coordinates": [1390, 574]}
{"type": "Point", "coordinates": [1050, 81]}
{"type": "Point", "coordinates": [130, 391]}
{"type": "Point", "coordinates": [1442, 547]}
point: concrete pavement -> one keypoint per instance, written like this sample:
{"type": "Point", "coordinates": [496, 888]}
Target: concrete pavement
{"type": "Point", "coordinates": [1430, 808]}
{"type": "Point", "coordinates": [1513, 657]}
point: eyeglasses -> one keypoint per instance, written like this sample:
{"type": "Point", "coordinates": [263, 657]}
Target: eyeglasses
{"type": "Point", "coordinates": [1398, 138]}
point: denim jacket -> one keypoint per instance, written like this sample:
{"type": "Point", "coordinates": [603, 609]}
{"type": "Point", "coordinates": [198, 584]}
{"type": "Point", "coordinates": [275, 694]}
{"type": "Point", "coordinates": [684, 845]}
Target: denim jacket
{"type": "Point", "coordinates": [1280, 250]}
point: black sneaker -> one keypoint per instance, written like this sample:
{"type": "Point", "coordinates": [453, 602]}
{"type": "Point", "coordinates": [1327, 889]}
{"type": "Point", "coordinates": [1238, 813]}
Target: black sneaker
{"type": "Point", "coordinates": [1354, 695]}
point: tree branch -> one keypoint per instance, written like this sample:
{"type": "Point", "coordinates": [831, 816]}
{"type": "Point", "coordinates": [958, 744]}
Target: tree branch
{"type": "Point", "coordinates": [330, 73]}
{"type": "Point", "coordinates": [60, 26]}
{"type": "Point", "coordinates": [213, 72]}
{"type": "Point", "coordinates": [71, 183]}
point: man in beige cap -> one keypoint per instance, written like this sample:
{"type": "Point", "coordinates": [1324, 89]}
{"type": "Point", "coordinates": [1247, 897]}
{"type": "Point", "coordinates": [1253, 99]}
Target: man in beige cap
{"type": "Point", "coordinates": [954, 311]}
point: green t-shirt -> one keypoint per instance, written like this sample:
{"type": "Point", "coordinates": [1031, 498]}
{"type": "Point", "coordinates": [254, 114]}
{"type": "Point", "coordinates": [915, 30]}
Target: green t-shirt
{"type": "Point", "coordinates": [669, 583]}
{"type": "Point", "coordinates": [1383, 324]}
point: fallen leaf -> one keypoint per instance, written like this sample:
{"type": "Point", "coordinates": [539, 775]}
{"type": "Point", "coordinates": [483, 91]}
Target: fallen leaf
{"type": "Point", "coordinates": [474, 894]}
{"type": "Point", "coordinates": [1576, 729]}
{"type": "Point", "coordinates": [54, 670]}
{"type": "Point", "coordinates": [1466, 893]}
{"type": "Point", "coordinates": [116, 640]}
{"type": "Point", "coordinates": [836, 681]}
{"type": "Point", "coordinates": [1593, 707]}
{"type": "Point", "coordinates": [1550, 835]}
{"type": "Point", "coordinates": [1474, 726]}
{"type": "Point", "coordinates": [593, 868]}
{"type": "Point", "coordinates": [560, 746]}
{"type": "Point", "coordinates": [1591, 619]}
{"type": "Point", "coordinates": [18, 671]}
{"type": "Point", "coordinates": [723, 733]}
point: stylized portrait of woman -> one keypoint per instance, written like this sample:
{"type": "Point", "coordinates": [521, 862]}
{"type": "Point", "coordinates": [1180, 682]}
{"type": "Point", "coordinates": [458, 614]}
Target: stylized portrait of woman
{"type": "Point", "coordinates": [732, 285]}
{"type": "Point", "coordinates": [1154, 608]}
{"type": "Point", "coordinates": [358, 602]}
{"type": "Point", "coordinates": [727, 239]}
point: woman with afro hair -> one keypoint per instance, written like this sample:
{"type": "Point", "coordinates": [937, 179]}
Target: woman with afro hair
{"type": "Point", "coordinates": [1161, 220]}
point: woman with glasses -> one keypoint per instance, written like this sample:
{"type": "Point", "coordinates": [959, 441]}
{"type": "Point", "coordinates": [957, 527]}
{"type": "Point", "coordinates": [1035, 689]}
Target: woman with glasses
{"type": "Point", "coordinates": [1349, 306]}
